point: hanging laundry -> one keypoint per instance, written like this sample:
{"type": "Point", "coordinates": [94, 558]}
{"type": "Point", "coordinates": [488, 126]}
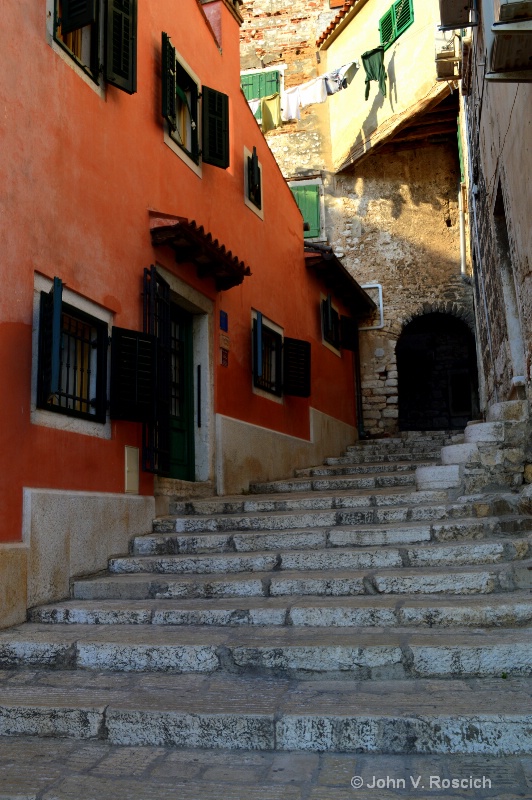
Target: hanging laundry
{"type": "Point", "coordinates": [254, 105]}
{"type": "Point", "coordinates": [271, 112]}
{"type": "Point", "coordinates": [312, 92]}
{"type": "Point", "coordinates": [290, 104]}
{"type": "Point", "coordinates": [340, 78]}
{"type": "Point", "coordinates": [373, 63]}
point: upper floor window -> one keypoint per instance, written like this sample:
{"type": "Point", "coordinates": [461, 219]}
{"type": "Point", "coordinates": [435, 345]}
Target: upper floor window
{"type": "Point", "coordinates": [181, 94]}
{"type": "Point", "coordinates": [77, 29]}
{"type": "Point", "coordinates": [396, 20]}
{"type": "Point", "coordinates": [281, 365]}
{"type": "Point", "coordinates": [309, 198]}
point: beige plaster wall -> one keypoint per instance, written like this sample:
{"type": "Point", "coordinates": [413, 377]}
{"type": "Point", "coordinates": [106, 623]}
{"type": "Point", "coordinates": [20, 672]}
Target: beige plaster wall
{"type": "Point", "coordinates": [409, 63]}
{"type": "Point", "coordinates": [67, 534]}
{"type": "Point", "coordinates": [248, 453]}
{"type": "Point", "coordinates": [13, 580]}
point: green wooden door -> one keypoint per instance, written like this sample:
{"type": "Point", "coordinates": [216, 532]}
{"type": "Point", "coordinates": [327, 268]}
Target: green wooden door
{"type": "Point", "coordinates": [181, 396]}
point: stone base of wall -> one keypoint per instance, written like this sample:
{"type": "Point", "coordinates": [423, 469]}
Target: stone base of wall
{"type": "Point", "coordinates": [249, 454]}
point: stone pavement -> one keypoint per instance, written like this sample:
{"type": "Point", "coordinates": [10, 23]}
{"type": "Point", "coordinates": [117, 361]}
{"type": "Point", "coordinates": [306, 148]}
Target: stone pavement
{"type": "Point", "coordinates": [65, 769]}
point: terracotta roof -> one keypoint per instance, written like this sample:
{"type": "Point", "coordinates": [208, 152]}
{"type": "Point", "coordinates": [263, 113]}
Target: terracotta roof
{"type": "Point", "coordinates": [337, 19]}
{"type": "Point", "coordinates": [191, 242]}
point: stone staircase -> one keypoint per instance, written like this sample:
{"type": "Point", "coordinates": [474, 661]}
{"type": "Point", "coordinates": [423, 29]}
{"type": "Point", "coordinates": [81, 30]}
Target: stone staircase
{"type": "Point", "coordinates": [341, 610]}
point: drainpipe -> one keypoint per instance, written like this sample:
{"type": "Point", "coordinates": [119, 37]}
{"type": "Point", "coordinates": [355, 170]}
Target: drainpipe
{"type": "Point", "coordinates": [461, 215]}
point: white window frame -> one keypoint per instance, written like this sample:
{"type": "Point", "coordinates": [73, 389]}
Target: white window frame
{"type": "Point", "coordinates": [258, 211]}
{"type": "Point", "coordinates": [97, 86]}
{"type": "Point", "coordinates": [170, 140]}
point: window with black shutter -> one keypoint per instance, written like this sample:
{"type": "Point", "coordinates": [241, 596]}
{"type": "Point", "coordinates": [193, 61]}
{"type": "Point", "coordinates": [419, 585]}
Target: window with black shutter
{"type": "Point", "coordinates": [267, 357]}
{"type": "Point", "coordinates": [181, 95]}
{"type": "Point", "coordinates": [77, 31]}
{"type": "Point", "coordinates": [72, 371]}
{"type": "Point", "coordinates": [254, 180]}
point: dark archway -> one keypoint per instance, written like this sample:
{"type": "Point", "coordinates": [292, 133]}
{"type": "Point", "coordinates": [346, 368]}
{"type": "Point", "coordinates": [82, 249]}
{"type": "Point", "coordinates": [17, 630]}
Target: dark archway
{"type": "Point", "coordinates": [437, 373]}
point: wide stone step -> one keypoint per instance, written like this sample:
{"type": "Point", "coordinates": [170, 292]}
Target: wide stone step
{"type": "Point", "coordinates": [348, 511]}
{"type": "Point", "coordinates": [370, 457]}
{"type": "Point", "coordinates": [451, 554]}
{"type": "Point", "coordinates": [306, 501]}
{"type": "Point", "coordinates": [383, 480]}
{"type": "Point", "coordinates": [301, 652]}
{"type": "Point", "coordinates": [370, 468]}
{"type": "Point", "coordinates": [466, 580]}
{"type": "Point", "coordinates": [337, 536]}
{"type": "Point", "coordinates": [215, 711]}
{"type": "Point", "coordinates": [441, 611]}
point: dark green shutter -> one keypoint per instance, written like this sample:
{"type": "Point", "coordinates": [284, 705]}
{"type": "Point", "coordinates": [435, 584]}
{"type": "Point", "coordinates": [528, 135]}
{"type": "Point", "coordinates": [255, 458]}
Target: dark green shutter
{"type": "Point", "coordinates": [215, 128]}
{"type": "Point", "coordinates": [50, 343]}
{"type": "Point", "coordinates": [169, 82]}
{"type": "Point", "coordinates": [308, 200]}
{"type": "Point", "coordinates": [296, 367]}
{"type": "Point", "coordinates": [387, 28]}
{"type": "Point", "coordinates": [157, 323]}
{"type": "Point", "coordinates": [260, 84]}
{"type": "Point", "coordinates": [76, 14]}
{"type": "Point", "coordinates": [349, 333]}
{"type": "Point", "coordinates": [121, 44]}
{"type": "Point", "coordinates": [404, 15]}
{"type": "Point", "coordinates": [133, 375]}
{"type": "Point", "coordinates": [254, 179]}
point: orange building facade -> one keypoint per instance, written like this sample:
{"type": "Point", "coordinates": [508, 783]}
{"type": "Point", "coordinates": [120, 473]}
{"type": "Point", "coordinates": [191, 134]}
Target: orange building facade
{"type": "Point", "coordinates": [163, 331]}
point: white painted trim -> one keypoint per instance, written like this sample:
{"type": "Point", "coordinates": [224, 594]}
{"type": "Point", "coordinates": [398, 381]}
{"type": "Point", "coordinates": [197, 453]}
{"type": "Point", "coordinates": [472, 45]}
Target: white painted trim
{"type": "Point", "coordinates": [51, 419]}
{"type": "Point", "coordinates": [258, 211]}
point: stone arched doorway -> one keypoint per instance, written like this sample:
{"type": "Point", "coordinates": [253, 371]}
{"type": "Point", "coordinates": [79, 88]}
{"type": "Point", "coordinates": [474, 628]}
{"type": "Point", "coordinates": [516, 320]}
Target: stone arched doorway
{"type": "Point", "coordinates": [437, 373]}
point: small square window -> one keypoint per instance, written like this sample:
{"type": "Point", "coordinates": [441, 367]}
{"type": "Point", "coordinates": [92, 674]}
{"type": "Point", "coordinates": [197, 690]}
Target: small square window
{"type": "Point", "coordinates": [267, 357]}
{"type": "Point", "coordinates": [330, 319]}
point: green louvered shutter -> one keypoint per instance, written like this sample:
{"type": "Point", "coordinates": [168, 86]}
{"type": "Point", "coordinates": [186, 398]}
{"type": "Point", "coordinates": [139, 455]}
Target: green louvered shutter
{"type": "Point", "coordinates": [308, 200]}
{"type": "Point", "coordinates": [168, 83]}
{"type": "Point", "coordinates": [215, 131]}
{"type": "Point", "coordinates": [387, 28]}
{"type": "Point", "coordinates": [404, 15]}
{"type": "Point", "coordinates": [76, 14]}
{"type": "Point", "coordinates": [121, 44]}
{"type": "Point", "coordinates": [260, 84]}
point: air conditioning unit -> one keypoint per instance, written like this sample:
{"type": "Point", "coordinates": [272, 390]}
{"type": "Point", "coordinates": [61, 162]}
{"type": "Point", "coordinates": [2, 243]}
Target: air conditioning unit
{"type": "Point", "coordinates": [455, 14]}
{"type": "Point", "coordinates": [511, 42]}
{"type": "Point", "coordinates": [448, 55]}
{"type": "Point", "coordinates": [511, 11]}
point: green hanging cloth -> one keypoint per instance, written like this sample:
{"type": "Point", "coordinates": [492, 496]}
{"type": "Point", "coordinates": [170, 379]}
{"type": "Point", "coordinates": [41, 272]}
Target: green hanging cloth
{"type": "Point", "coordinates": [373, 63]}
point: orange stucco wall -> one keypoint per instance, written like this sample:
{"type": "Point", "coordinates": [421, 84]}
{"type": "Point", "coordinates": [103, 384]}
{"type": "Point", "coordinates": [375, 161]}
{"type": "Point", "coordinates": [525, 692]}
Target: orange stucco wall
{"type": "Point", "coordinates": [79, 174]}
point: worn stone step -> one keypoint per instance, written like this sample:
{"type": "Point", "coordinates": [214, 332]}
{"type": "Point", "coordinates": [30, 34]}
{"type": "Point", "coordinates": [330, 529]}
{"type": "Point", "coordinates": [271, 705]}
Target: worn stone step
{"type": "Point", "coordinates": [449, 553]}
{"type": "Point", "coordinates": [336, 483]}
{"type": "Point", "coordinates": [367, 457]}
{"type": "Point", "coordinates": [301, 652]}
{"type": "Point", "coordinates": [369, 468]}
{"type": "Point", "coordinates": [491, 717]}
{"type": "Point", "coordinates": [306, 501]}
{"type": "Point", "coordinates": [348, 511]}
{"type": "Point", "coordinates": [442, 611]}
{"type": "Point", "coordinates": [465, 580]}
{"type": "Point", "coordinates": [337, 536]}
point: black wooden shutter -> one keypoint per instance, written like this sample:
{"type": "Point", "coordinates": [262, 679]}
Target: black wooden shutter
{"type": "Point", "coordinates": [133, 356]}
{"type": "Point", "coordinates": [349, 333]}
{"type": "Point", "coordinates": [257, 346]}
{"type": "Point", "coordinates": [215, 132]}
{"type": "Point", "coordinates": [121, 44]}
{"type": "Point", "coordinates": [156, 433]}
{"type": "Point", "coordinates": [49, 369]}
{"type": "Point", "coordinates": [169, 83]}
{"type": "Point", "coordinates": [296, 367]}
{"type": "Point", "coordinates": [76, 14]}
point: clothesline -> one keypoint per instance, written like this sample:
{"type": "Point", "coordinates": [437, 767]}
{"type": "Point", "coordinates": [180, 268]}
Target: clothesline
{"type": "Point", "coordinates": [285, 106]}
